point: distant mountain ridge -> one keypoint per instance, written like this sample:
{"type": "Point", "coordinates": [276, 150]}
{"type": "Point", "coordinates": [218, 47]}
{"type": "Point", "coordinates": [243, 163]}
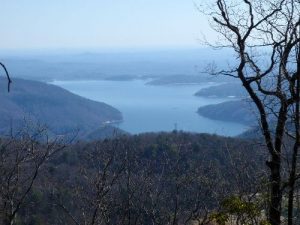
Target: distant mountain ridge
{"type": "Point", "coordinates": [101, 64]}
{"type": "Point", "coordinates": [58, 109]}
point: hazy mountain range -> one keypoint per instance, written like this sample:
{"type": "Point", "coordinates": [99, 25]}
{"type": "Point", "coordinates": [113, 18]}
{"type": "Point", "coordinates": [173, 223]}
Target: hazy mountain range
{"type": "Point", "coordinates": [64, 65]}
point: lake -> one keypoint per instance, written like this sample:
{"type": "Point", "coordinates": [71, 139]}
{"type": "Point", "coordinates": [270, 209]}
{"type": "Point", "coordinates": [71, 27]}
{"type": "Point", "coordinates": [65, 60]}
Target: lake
{"type": "Point", "coordinates": [148, 108]}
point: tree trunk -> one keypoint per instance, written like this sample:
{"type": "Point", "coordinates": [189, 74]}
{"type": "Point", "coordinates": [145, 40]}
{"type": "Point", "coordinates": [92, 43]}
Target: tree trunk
{"type": "Point", "coordinates": [296, 147]}
{"type": "Point", "coordinates": [276, 195]}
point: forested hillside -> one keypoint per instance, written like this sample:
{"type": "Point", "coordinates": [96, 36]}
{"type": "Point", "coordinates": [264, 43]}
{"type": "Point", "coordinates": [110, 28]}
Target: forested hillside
{"type": "Point", "coordinates": [165, 178]}
{"type": "Point", "coordinates": [32, 102]}
{"type": "Point", "coordinates": [239, 111]}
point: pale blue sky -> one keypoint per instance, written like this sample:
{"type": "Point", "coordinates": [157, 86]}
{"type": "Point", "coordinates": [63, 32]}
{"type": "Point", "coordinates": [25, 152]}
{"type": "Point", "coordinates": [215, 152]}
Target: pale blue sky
{"type": "Point", "coordinates": [53, 24]}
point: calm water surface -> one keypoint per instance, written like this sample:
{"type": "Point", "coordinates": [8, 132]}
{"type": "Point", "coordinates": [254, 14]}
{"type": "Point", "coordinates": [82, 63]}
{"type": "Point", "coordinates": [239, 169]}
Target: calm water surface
{"type": "Point", "coordinates": [147, 108]}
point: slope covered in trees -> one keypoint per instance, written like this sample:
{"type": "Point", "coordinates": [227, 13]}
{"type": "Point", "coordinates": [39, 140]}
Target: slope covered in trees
{"type": "Point", "coordinates": [166, 178]}
{"type": "Point", "coordinates": [233, 90]}
{"type": "Point", "coordinates": [240, 111]}
{"type": "Point", "coordinates": [61, 111]}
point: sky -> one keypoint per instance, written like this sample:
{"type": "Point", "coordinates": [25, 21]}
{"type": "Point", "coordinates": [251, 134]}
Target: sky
{"type": "Point", "coordinates": [54, 24]}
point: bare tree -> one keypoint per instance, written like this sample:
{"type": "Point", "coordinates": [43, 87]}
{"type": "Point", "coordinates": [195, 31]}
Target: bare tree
{"type": "Point", "coordinates": [265, 38]}
{"type": "Point", "coordinates": [145, 181]}
{"type": "Point", "coordinates": [93, 185]}
{"type": "Point", "coordinates": [21, 159]}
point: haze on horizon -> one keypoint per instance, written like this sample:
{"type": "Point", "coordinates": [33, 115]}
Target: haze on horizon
{"type": "Point", "coordinates": [75, 24]}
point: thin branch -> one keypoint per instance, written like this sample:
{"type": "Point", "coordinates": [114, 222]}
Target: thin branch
{"type": "Point", "coordinates": [7, 75]}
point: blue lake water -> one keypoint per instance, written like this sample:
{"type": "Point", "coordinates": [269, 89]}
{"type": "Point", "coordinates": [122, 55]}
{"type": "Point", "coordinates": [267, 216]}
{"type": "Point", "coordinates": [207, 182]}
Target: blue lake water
{"type": "Point", "coordinates": [148, 108]}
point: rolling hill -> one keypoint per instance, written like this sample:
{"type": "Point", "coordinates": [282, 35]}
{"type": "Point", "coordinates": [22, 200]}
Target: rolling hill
{"type": "Point", "coordinates": [233, 90]}
{"type": "Point", "coordinates": [52, 106]}
{"type": "Point", "coordinates": [240, 111]}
